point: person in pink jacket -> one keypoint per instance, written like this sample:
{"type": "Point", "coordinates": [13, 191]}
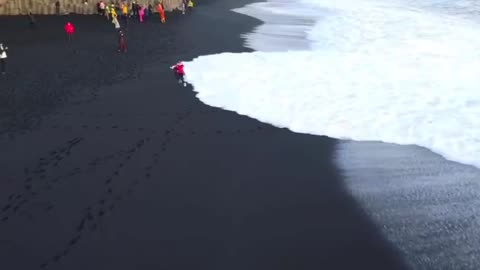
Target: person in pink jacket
{"type": "Point", "coordinates": [141, 14]}
{"type": "Point", "coordinates": [70, 30]}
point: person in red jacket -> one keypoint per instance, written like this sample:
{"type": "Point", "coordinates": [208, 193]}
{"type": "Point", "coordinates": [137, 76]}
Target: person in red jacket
{"type": "Point", "coordinates": [161, 12]}
{"type": "Point", "coordinates": [179, 72]}
{"type": "Point", "coordinates": [70, 30]}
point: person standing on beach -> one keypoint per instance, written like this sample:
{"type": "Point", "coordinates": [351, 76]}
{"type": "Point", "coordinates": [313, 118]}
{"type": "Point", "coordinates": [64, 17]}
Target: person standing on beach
{"type": "Point", "coordinates": [31, 20]}
{"type": "Point", "coordinates": [161, 12]}
{"type": "Point", "coordinates": [116, 22]}
{"type": "Point", "coordinates": [122, 42]}
{"type": "Point", "coordinates": [146, 12]}
{"type": "Point", "coordinates": [101, 6]}
{"type": "Point", "coordinates": [150, 9]}
{"type": "Point", "coordinates": [3, 59]}
{"type": "Point", "coordinates": [113, 11]}
{"type": "Point", "coordinates": [141, 13]}
{"type": "Point", "coordinates": [107, 12]}
{"type": "Point", "coordinates": [113, 14]}
{"type": "Point", "coordinates": [57, 8]}
{"type": "Point", "coordinates": [70, 30]}
{"type": "Point", "coordinates": [184, 6]}
{"type": "Point", "coordinates": [125, 11]}
{"type": "Point", "coordinates": [135, 9]}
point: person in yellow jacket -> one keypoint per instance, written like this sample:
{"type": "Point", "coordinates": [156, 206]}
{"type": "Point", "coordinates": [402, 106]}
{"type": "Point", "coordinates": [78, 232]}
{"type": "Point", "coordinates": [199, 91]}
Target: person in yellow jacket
{"type": "Point", "coordinates": [125, 10]}
{"type": "Point", "coordinates": [113, 13]}
{"type": "Point", "coordinates": [190, 4]}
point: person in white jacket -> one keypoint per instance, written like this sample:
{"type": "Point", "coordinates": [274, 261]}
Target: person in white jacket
{"type": "Point", "coordinates": [116, 22]}
{"type": "Point", "coordinates": [3, 59]}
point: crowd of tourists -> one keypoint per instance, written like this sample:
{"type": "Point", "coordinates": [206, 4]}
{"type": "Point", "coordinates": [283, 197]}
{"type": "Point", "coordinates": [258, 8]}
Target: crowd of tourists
{"type": "Point", "coordinates": [119, 14]}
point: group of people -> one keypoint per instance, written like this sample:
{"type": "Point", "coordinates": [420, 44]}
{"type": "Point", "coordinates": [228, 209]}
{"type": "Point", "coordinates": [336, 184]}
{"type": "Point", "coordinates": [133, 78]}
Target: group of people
{"type": "Point", "coordinates": [135, 10]}
{"type": "Point", "coordinates": [111, 11]}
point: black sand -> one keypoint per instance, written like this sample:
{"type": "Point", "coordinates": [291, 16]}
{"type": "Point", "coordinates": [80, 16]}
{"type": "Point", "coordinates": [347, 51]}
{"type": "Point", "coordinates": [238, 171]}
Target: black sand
{"type": "Point", "coordinates": [125, 169]}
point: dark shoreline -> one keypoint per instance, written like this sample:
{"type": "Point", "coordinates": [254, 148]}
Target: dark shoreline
{"type": "Point", "coordinates": [131, 171]}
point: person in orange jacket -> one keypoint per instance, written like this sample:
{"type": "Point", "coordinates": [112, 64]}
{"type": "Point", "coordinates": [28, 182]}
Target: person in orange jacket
{"type": "Point", "coordinates": [161, 12]}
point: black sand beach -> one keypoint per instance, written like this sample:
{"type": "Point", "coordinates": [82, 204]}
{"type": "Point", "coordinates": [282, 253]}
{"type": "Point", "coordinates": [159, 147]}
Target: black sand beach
{"type": "Point", "coordinates": [125, 169]}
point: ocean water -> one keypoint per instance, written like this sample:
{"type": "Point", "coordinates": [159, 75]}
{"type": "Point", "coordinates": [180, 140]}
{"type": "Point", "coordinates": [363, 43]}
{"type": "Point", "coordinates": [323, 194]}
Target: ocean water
{"type": "Point", "coordinates": [397, 82]}
{"type": "Point", "coordinates": [402, 72]}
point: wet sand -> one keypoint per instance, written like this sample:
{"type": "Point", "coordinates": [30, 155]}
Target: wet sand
{"type": "Point", "coordinates": [108, 163]}
{"type": "Point", "coordinates": [426, 205]}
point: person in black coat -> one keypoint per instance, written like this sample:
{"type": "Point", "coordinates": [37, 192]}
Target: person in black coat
{"type": "Point", "coordinates": [31, 20]}
{"type": "Point", "coordinates": [57, 8]}
{"type": "Point", "coordinates": [135, 8]}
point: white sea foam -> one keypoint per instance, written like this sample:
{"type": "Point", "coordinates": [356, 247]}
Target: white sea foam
{"type": "Point", "coordinates": [405, 72]}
